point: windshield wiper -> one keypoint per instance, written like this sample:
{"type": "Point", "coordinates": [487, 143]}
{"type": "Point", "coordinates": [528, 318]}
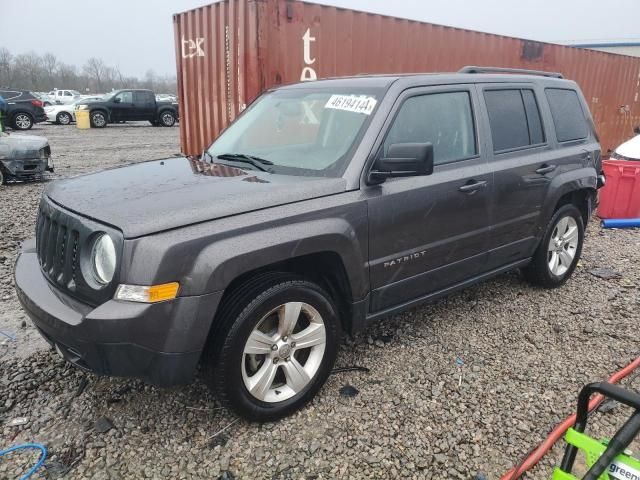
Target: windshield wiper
{"type": "Point", "coordinates": [250, 159]}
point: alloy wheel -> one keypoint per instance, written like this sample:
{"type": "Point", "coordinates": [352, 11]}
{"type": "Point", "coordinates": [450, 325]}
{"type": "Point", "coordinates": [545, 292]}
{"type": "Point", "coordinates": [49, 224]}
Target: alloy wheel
{"type": "Point", "coordinates": [563, 246]}
{"type": "Point", "coordinates": [99, 120]}
{"type": "Point", "coordinates": [284, 352]}
{"type": "Point", "coordinates": [23, 121]}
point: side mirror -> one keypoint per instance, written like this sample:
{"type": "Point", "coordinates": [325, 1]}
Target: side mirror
{"type": "Point", "coordinates": [117, 100]}
{"type": "Point", "coordinates": [403, 160]}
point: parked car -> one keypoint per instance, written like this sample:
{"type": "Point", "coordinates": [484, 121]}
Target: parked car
{"type": "Point", "coordinates": [23, 157]}
{"type": "Point", "coordinates": [65, 114]}
{"type": "Point", "coordinates": [24, 109]}
{"type": "Point", "coordinates": [325, 206]}
{"type": "Point", "coordinates": [64, 97]}
{"type": "Point", "coordinates": [629, 150]}
{"type": "Point", "coordinates": [131, 105]}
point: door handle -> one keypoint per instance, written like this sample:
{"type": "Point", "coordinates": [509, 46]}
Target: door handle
{"type": "Point", "coordinates": [472, 187]}
{"type": "Point", "coordinates": [546, 169]}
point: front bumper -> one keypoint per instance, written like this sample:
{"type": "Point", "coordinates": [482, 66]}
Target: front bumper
{"type": "Point", "coordinates": [160, 343]}
{"type": "Point", "coordinates": [27, 167]}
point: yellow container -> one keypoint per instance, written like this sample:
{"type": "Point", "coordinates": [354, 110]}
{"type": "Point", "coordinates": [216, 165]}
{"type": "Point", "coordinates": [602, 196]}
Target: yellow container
{"type": "Point", "coordinates": [82, 119]}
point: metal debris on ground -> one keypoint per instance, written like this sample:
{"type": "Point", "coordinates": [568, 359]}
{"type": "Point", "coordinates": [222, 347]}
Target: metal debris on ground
{"type": "Point", "coordinates": [349, 391]}
{"type": "Point", "coordinates": [103, 425]}
{"type": "Point", "coordinates": [18, 421]}
{"type": "Point", "coordinates": [605, 273]}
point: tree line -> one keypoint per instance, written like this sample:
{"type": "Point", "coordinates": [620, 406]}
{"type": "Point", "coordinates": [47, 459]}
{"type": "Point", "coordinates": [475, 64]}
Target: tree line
{"type": "Point", "coordinates": [43, 73]}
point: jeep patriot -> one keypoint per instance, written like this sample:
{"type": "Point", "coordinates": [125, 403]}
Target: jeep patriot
{"type": "Point", "coordinates": [325, 206]}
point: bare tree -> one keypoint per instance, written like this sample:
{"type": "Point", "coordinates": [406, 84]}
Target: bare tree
{"type": "Point", "coordinates": [43, 73]}
{"type": "Point", "coordinates": [50, 65]}
{"type": "Point", "coordinates": [95, 68]}
{"type": "Point", "coordinates": [6, 66]}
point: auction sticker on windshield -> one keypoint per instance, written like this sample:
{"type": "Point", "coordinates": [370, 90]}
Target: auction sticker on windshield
{"type": "Point", "coordinates": [352, 103]}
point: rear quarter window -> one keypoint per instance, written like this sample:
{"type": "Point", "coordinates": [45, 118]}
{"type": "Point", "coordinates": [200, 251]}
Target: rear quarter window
{"type": "Point", "coordinates": [568, 116]}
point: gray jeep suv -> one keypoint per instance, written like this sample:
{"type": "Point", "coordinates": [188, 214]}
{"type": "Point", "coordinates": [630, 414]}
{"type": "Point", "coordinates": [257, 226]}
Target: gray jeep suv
{"type": "Point", "coordinates": [325, 206]}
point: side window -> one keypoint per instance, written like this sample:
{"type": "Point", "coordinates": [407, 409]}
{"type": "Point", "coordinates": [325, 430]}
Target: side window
{"type": "Point", "coordinates": [507, 118]}
{"type": "Point", "coordinates": [143, 98]}
{"type": "Point", "coordinates": [125, 97]}
{"type": "Point", "coordinates": [444, 119]}
{"type": "Point", "coordinates": [567, 114]}
{"type": "Point", "coordinates": [67, 93]}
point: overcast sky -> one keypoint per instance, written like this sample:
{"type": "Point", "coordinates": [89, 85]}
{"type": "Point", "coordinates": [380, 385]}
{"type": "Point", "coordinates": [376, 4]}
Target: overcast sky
{"type": "Point", "coordinates": [137, 35]}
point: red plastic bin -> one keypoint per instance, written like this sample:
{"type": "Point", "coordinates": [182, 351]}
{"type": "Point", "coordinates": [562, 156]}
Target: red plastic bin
{"type": "Point", "coordinates": [620, 197]}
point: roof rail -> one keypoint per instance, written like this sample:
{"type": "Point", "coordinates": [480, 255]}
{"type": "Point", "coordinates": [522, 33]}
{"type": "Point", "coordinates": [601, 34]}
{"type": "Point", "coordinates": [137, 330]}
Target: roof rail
{"type": "Point", "coordinates": [522, 71]}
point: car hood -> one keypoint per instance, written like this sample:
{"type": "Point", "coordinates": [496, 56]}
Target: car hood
{"type": "Point", "coordinates": [630, 149]}
{"type": "Point", "coordinates": [18, 146]}
{"type": "Point", "coordinates": [153, 196]}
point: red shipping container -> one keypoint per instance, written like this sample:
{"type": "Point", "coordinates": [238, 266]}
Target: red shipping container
{"type": "Point", "coordinates": [620, 197]}
{"type": "Point", "coordinates": [232, 50]}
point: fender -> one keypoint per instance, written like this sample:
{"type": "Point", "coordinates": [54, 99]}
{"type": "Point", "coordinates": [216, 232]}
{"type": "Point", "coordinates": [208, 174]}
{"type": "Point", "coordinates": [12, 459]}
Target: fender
{"type": "Point", "coordinates": [218, 264]}
{"type": "Point", "coordinates": [567, 182]}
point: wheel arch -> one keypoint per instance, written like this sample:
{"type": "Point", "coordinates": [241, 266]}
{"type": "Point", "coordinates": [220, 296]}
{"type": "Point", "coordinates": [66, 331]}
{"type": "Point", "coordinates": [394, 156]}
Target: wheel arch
{"type": "Point", "coordinates": [578, 187]}
{"type": "Point", "coordinates": [324, 268]}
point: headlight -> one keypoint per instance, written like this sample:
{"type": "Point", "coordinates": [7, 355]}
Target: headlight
{"type": "Point", "coordinates": [82, 107]}
{"type": "Point", "coordinates": [103, 259]}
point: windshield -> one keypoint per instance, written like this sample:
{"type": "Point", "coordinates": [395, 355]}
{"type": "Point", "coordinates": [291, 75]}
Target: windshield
{"type": "Point", "coordinates": [302, 131]}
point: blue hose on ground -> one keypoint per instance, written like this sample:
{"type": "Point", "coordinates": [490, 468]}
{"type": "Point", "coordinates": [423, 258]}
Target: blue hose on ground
{"type": "Point", "coordinates": [621, 223]}
{"type": "Point", "coordinates": [35, 446]}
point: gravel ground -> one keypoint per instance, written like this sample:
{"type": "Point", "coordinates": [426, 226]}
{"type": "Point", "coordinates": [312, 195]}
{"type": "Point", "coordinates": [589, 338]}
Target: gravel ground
{"type": "Point", "coordinates": [464, 386]}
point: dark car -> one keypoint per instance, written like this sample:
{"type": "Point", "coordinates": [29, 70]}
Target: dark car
{"type": "Point", "coordinates": [23, 157]}
{"type": "Point", "coordinates": [131, 105]}
{"type": "Point", "coordinates": [25, 109]}
{"type": "Point", "coordinates": [325, 206]}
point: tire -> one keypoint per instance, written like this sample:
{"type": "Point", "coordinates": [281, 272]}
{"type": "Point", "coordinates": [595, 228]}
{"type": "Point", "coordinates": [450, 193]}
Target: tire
{"type": "Point", "coordinates": [98, 119]}
{"type": "Point", "coordinates": [541, 270]}
{"type": "Point", "coordinates": [167, 119]}
{"type": "Point", "coordinates": [22, 121]}
{"type": "Point", "coordinates": [3, 178]}
{"type": "Point", "coordinates": [292, 372]}
{"type": "Point", "coordinates": [64, 118]}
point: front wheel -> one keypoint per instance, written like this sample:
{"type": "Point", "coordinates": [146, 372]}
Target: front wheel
{"type": "Point", "coordinates": [278, 348]}
{"type": "Point", "coordinates": [559, 251]}
{"type": "Point", "coordinates": [98, 119]}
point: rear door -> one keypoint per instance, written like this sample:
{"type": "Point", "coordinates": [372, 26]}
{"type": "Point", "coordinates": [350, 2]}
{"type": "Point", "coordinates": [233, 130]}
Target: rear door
{"type": "Point", "coordinates": [524, 164]}
{"type": "Point", "coordinates": [144, 103]}
{"type": "Point", "coordinates": [430, 232]}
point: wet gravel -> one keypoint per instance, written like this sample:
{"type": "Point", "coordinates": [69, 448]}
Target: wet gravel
{"type": "Point", "coordinates": [464, 386]}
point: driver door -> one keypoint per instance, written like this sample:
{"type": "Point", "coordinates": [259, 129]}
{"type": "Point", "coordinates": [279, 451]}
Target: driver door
{"type": "Point", "coordinates": [430, 232]}
{"type": "Point", "coordinates": [122, 106]}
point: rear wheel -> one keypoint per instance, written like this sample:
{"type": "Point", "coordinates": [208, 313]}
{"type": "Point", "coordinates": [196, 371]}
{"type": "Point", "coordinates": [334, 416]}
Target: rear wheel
{"type": "Point", "coordinates": [3, 178]}
{"type": "Point", "coordinates": [63, 118]}
{"type": "Point", "coordinates": [277, 348]}
{"type": "Point", "coordinates": [167, 119]}
{"type": "Point", "coordinates": [559, 251]}
{"type": "Point", "coordinates": [98, 119]}
{"type": "Point", "coordinates": [22, 121]}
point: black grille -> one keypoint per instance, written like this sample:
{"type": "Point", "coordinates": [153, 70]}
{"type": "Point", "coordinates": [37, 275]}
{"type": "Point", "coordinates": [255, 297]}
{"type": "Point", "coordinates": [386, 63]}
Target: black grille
{"type": "Point", "coordinates": [64, 240]}
{"type": "Point", "coordinates": [58, 248]}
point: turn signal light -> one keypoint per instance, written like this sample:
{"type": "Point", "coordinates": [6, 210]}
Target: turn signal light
{"type": "Point", "coordinates": [147, 294]}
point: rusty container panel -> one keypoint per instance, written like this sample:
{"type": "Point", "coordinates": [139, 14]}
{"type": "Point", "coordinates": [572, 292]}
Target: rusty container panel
{"type": "Point", "coordinates": [230, 51]}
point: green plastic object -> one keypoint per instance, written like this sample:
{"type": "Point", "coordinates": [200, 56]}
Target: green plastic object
{"type": "Point", "coordinates": [623, 467]}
